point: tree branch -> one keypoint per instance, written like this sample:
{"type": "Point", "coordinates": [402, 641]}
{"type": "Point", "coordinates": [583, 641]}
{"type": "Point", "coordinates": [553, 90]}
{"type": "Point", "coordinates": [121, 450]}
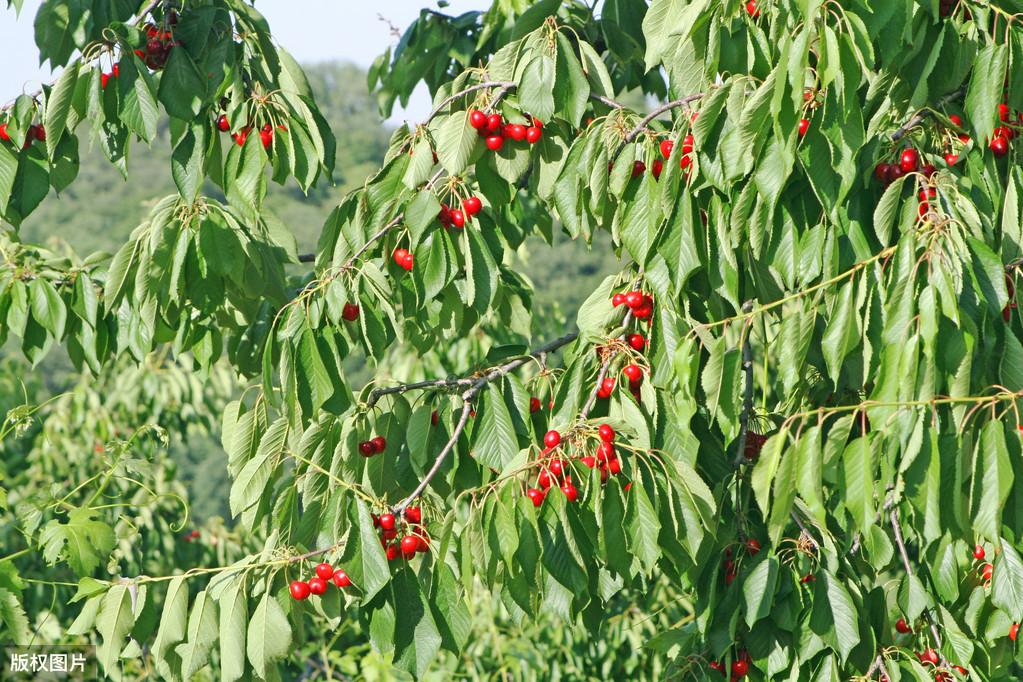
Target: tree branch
{"type": "Point", "coordinates": [634, 133]}
{"type": "Point", "coordinates": [747, 392]}
{"type": "Point", "coordinates": [467, 398]}
{"type": "Point", "coordinates": [920, 116]}
{"type": "Point", "coordinates": [901, 544]}
{"type": "Point", "coordinates": [504, 85]}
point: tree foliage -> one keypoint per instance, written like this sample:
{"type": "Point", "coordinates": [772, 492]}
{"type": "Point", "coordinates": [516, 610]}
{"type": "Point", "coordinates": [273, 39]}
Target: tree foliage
{"type": "Point", "coordinates": [819, 229]}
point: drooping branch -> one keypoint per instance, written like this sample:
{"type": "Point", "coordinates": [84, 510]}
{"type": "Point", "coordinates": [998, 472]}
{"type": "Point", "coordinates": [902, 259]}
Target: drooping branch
{"type": "Point", "coordinates": [504, 85]}
{"type": "Point", "coordinates": [467, 397]}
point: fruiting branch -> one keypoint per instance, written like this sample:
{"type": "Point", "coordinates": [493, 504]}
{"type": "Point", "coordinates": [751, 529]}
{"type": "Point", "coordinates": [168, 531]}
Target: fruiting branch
{"type": "Point", "coordinates": [504, 85]}
{"type": "Point", "coordinates": [897, 528]}
{"type": "Point", "coordinates": [467, 398]}
{"type": "Point", "coordinates": [602, 374]}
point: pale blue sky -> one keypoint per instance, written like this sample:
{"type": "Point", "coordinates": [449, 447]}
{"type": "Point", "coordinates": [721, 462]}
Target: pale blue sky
{"type": "Point", "coordinates": [312, 30]}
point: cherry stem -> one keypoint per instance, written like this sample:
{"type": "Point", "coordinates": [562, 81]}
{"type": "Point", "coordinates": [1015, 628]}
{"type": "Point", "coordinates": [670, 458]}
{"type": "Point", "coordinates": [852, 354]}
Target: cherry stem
{"type": "Point", "coordinates": [897, 528]}
{"type": "Point", "coordinates": [634, 133]}
{"type": "Point", "coordinates": [919, 117]}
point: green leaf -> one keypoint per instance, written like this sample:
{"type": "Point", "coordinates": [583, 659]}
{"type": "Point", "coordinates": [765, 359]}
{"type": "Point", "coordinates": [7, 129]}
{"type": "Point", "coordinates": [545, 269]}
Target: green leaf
{"type": "Point", "coordinates": [995, 480]}
{"type": "Point", "coordinates": [84, 541]}
{"type": "Point", "coordinates": [758, 590]}
{"type": "Point", "coordinates": [843, 331]}
{"type": "Point", "coordinates": [455, 140]}
{"type": "Point", "coordinates": [985, 88]}
{"type": "Point", "coordinates": [269, 635]}
{"type": "Point", "coordinates": [1007, 582]}
{"type": "Point", "coordinates": [114, 622]}
{"type": "Point", "coordinates": [47, 307]}
{"type": "Point", "coordinates": [58, 106]}
{"type": "Point", "coordinates": [138, 106]}
{"type": "Point", "coordinates": [173, 628]}
{"type": "Point", "coordinates": [858, 469]}
{"type": "Point", "coordinates": [202, 632]}
{"type": "Point", "coordinates": [834, 615]}
{"type": "Point", "coordinates": [13, 618]}
{"type": "Point", "coordinates": [494, 441]}
{"type": "Point", "coordinates": [536, 87]}
{"type": "Point", "coordinates": [886, 211]}
{"type": "Point", "coordinates": [234, 619]}
{"type": "Point", "coordinates": [182, 87]}
{"type": "Point", "coordinates": [252, 479]}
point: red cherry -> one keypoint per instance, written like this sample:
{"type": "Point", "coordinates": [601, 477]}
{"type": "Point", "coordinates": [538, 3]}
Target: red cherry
{"type": "Point", "coordinates": [472, 205]}
{"type": "Point", "coordinates": [317, 585]}
{"type": "Point", "coordinates": [752, 546]}
{"type": "Point", "coordinates": [325, 571]}
{"type": "Point", "coordinates": [715, 665]}
{"type": "Point", "coordinates": [656, 168]}
{"type": "Point", "coordinates": [956, 119]}
{"type": "Point", "coordinates": [401, 257]}
{"type": "Point", "coordinates": [909, 160]}
{"type": "Point", "coordinates": [687, 144]}
{"type": "Point", "coordinates": [517, 132]}
{"type": "Point", "coordinates": [1003, 111]}
{"type": "Point", "coordinates": [387, 521]}
{"type": "Point", "coordinates": [616, 300]}
{"type": "Point", "coordinates": [614, 466]}
{"type": "Point", "coordinates": [494, 122]}
{"type": "Point", "coordinates": [533, 134]}
{"type": "Point", "coordinates": [434, 417]}
{"type": "Point", "coordinates": [350, 312]}
{"type": "Point", "coordinates": [266, 137]}
{"type": "Point", "coordinates": [536, 496]}
{"type": "Point", "coordinates": [341, 579]}
{"type": "Point", "coordinates": [608, 384]}
{"type": "Point", "coordinates": [103, 78]}
{"type": "Point", "coordinates": [607, 434]}
{"type": "Point", "coordinates": [638, 168]}
{"type": "Point", "coordinates": [477, 119]}
{"type": "Point", "coordinates": [557, 468]}
{"type": "Point", "coordinates": [457, 218]}
{"type": "Point", "coordinates": [3, 133]}
{"type": "Point", "coordinates": [544, 479]}
{"type": "Point", "coordinates": [589, 460]}
{"type": "Point", "coordinates": [537, 123]}
{"type": "Point", "coordinates": [751, 9]}
{"type": "Point", "coordinates": [299, 589]}
{"type": "Point", "coordinates": [116, 71]}
{"type": "Point", "coordinates": [534, 405]}
{"type": "Point", "coordinates": [978, 552]}
{"type": "Point", "coordinates": [571, 494]}
{"type": "Point", "coordinates": [808, 578]}
{"type": "Point", "coordinates": [379, 444]}
{"type": "Point", "coordinates": [366, 449]}
{"type": "Point", "coordinates": [605, 451]}
{"type": "Point", "coordinates": [928, 656]}
{"type": "Point", "coordinates": [740, 667]}
{"type": "Point", "coordinates": [409, 544]}
{"type": "Point", "coordinates": [804, 125]}
{"type": "Point", "coordinates": [881, 171]}
{"type": "Point", "coordinates": [389, 534]}
{"type": "Point", "coordinates": [634, 299]}
{"type": "Point", "coordinates": [223, 125]}
{"type": "Point", "coordinates": [1006, 132]}
{"type": "Point", "coordinates": [928, 170]}
{"type": "Point", "coordinates": [999, 145]}
{"type": "Point", "coordinates": [552, 439]}
{"type": "Point", "coordinates": [633, 372]}
{"type": "Point", "coordinates": [951, 159]}
{"type": "Point", "coordinates": [392, 552]}
{"type": "Point", "coordinates": [414, 515]}
{"type": "Point", "coordinates": [494, 142]}
{"type": "Point", "coordinates": [637, 341]}
{"type": "Point", "coordinates": [902, 626]}
{"type": "Point", "coordinates": [666, 147]}
{"type": "Point", "coordinates": [1013, 631]}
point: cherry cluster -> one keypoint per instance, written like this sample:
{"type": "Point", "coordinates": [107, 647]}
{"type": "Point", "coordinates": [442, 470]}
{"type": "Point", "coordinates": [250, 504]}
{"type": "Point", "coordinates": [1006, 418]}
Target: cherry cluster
{"type": "Point", "coordinates": [35, 132]}
{"type": "Point", "coordinates": [641, 305]}
{"type": "Point", "coordinates": [535, 405]}
{"type": "Point", "coordinates": [729, 567]}
{"type": "Point", "coordinates": [414, 536]}
{"type": "Point", "coordinates": [373, 446]}
{"type": "Point", "coordinates": [325, 573]}
{"type": "Point", "coordinates": [554, 470]}
{"type": "Point", "coordinates": [403, 257]}
{"type": "Point", "coordinates": [457, 217]}
{"type": "Point", "coordinates": [159, 44]}
{"type": "Point", "coordinates": [266, 133]}
{"type": "Point", "coordinates": [494, 129]}
{"type": "Point", "coordinates": [104, 78]}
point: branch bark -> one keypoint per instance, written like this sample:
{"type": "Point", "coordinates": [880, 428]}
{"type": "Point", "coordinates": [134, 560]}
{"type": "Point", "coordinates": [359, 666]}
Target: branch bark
{"type": "Point", "coordinates": [920, 116]}
{"type": "Point", "coordinates": [467, 398]}
{"type": "Point", "coordinates": [747, 392]}
{"type": "Point", "coordinates": [634, 133]}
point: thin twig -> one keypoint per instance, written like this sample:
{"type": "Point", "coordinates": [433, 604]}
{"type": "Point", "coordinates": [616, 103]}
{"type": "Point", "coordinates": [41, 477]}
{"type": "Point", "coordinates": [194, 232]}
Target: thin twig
{"type": "Point", "coordinates": [504, 85]}
{"type": "Point", "coordinates": [467, 398]}
{"type": "Point", "coordinates": [379, 393]}
{"type": "Point", "coordinates": [901, 544]}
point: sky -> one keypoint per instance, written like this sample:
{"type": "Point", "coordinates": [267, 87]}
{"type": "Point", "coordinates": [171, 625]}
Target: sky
{"type": "Point", "coordinates": [312, 30]}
